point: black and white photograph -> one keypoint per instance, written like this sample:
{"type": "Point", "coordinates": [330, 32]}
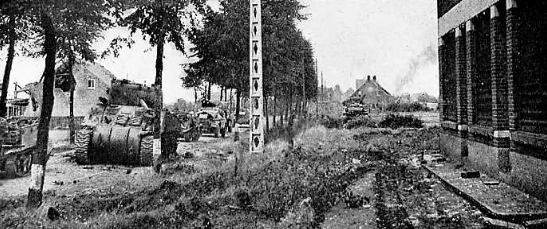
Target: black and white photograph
{"type": "Point", "coordinates": [273, 114]}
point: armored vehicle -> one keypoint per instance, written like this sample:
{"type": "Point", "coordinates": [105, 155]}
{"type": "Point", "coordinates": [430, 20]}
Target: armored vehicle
{"type": "Point", "coordinates": [18, 138]}
{"type": "Point", "coordinates": [212, 120]}
{"type": "Point", "coordinates": [120, 129]}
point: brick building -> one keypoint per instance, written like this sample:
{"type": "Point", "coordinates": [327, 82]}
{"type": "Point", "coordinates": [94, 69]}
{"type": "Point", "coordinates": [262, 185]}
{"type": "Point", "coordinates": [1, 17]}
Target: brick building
{"type": "Point", "coordinates": [92, 82]}
{"type": "Point", "coordinates": [371, 94]}
{"type": "Point", "coordinates": [493, 97]}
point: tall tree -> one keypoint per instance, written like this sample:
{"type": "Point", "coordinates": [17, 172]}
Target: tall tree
{"type": "Point", "coordinates": [222, 46]}
{"type": "Point", "coordinates": [11, 18]}
{"type": "Point", "coordinates": [77, 29]}
{"type": "Point", "coordinates": [162, 21]}
{"type": "Point", "coordinates": [48, 18]}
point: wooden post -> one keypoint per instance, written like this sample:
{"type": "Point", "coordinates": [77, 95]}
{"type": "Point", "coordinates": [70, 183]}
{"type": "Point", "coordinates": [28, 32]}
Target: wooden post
{"type": "Point", "coordinates": [256, 95]}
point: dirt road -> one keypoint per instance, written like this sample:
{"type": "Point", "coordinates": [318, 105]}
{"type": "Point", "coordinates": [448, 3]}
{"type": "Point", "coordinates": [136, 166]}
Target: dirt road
{"type": "Point", "coordinates": [65, 177]}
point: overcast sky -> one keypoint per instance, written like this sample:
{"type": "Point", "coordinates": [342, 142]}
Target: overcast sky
{"type": "Point", "coordinates": [393, 39]}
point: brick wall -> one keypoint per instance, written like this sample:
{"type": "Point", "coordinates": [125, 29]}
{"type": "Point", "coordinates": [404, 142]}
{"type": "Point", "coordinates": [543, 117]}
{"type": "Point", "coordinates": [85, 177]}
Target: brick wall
{"type": "Point", "coordinates": [471, 65]}
{"type": "Point", "coordinates": [500, 117]}
{"type": "Point", "coordinates": [449, 78]}
{"type": "Point", "coordinates": [461, 75]}
{"type": "Point", "coordinates": [532, 83]}
{"type": "Point", "coordinates": [482, 102]}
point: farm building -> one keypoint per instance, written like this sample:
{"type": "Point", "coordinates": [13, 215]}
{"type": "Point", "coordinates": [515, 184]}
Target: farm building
{"type": "Point", "coordinates": [92, 82]}
{"type": "Point", "coordinates": [493, 62]}
{"type": "Point", "coordinates": [371, 94]}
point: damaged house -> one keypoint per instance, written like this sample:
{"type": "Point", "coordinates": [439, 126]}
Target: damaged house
{"type": "Point", "coordinates": [92, 82]}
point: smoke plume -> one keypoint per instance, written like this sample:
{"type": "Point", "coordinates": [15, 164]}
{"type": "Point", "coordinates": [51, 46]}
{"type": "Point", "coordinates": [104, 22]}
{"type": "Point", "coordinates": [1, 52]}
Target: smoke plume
{"type": "Point", "coordinates": [426, 57]}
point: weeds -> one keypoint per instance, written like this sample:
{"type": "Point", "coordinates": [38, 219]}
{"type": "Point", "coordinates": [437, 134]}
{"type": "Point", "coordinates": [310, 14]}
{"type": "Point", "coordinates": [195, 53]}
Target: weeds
{"type": "Point", "coordinates": [359, 121]}
{"type": "Point", "coordinates": [395, 121]}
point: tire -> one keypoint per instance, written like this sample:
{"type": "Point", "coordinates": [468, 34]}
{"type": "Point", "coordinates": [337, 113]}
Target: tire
{"type": "Point", "coordinates": [187, 137]}
{"type": "Point", "coordinates": [197, 134]}
{"type": "Point", "coordinates": [23, 164]}
{"type": "Point", "coordinates": [83, 139]}
{"type": "Point", "coordinates": [223, 132]}
{"type": "Point", "coordinates": [146, 152]}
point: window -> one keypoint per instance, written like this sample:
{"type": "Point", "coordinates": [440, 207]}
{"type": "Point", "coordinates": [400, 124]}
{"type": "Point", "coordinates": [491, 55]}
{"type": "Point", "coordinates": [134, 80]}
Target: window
{"type": "Point", "coordinates": [90, 84]}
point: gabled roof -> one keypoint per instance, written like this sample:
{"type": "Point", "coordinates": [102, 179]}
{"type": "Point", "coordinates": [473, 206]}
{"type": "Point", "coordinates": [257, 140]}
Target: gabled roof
{"type": "Point", "coordinates": [366, 84]}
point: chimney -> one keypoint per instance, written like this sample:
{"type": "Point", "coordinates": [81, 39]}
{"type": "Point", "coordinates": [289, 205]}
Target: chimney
{"type": "Point", "coordinates": [374, 78]}
{"type": "Point", "coordinates": [368, 78]}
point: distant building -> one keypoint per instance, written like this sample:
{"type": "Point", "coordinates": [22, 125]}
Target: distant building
{"type": "Point", "coordinates": [92, 82]}
{"type": "Point", "coordinates": [371, 94]}
{"type": "Point", "coordinates": [493, 100]}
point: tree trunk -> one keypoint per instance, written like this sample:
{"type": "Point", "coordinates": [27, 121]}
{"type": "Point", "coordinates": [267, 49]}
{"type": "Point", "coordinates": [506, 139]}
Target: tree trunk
{"type": "Point", "coordinates": [221, 93]}
{"type": "Point", "coordinates": [209, 92]}
{"type": "Point", "coordinates": [274, 110]}
{"type": "Point", "coordinates": [158, 85]}
{"type": "Point", "coordinates": [39, 157]}
{"type": "Point", "coordinates": [281, 112]}
{"type": "Point", "coordinates": [238, 99]}
{"type": "Point", "coordinates": [71, 124]}
{"type": "Point", "coordinates": [195, 95]}
{"type": "Point", "coordinates": [266, 113]}
{"type": "Point", "coordinates": [9, 63]}
{"type": "Point", "coordinates": [231, 103]}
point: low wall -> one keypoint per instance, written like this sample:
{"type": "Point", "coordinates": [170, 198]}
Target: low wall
{"type": "Point", "coordinates": [523, 171]}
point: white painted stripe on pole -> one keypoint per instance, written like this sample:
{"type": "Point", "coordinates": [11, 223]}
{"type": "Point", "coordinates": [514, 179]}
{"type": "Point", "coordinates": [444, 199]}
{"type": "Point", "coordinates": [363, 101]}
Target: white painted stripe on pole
{"type": "Point", "coordinates": [36, 172]}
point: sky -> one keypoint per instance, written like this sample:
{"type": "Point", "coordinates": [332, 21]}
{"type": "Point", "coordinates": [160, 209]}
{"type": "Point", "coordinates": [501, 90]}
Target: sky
{"type": "Point", "coordinates": [395, 40]}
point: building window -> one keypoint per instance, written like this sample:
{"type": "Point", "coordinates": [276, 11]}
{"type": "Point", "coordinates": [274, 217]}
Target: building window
{"type": "Point", "coordinates": [90, 84]}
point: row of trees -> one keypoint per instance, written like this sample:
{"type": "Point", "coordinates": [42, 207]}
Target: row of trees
{"type": "Point", "coordinates": [63, 31]}
{"type": "Point", "coordinates": [222, 46]}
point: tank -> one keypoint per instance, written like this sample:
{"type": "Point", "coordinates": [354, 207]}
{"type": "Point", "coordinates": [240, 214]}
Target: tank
{"type": "Point", "coordinates": [120, 129]}
{"type": "Point", "coordinates": [18, 141]}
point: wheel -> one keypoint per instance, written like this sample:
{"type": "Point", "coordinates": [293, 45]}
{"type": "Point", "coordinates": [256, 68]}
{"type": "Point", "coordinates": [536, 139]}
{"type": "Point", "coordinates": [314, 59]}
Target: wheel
{"type": "Point", "coordinates": [23, 164]}
{"type": "Point", "coordinates": [146, 154]}
{"type": "Point", "coordinates": [229, 127]}
{"type": "Point", "coordinates": [187, 137]}
{"type": "Point", "coordinates": [223, 132]}
{"type": "Point", "coordinates": [83, 138]}
{"type": "Point", "coordinates": [196, 135]}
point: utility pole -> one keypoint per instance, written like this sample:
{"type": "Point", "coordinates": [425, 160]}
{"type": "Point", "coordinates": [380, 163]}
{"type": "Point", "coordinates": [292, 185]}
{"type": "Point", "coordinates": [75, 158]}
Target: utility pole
{"type": "Point", "coordinates": [256, 93]}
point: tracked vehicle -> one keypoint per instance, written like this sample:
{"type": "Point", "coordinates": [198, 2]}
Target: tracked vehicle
{"type": "Point", "coordinates": [18, 138]}
{"type": "Point", "coordinates": [120, 129]}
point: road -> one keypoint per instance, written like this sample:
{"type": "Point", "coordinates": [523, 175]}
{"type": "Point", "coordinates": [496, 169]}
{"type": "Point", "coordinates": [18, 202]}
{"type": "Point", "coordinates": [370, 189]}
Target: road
{"type": "Point", "coordinates": [65, 177]}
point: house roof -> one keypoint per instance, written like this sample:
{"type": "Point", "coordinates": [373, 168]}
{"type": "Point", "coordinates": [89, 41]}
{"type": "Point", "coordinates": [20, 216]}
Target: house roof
{"type": "Point", "coordinates": [367, 84]}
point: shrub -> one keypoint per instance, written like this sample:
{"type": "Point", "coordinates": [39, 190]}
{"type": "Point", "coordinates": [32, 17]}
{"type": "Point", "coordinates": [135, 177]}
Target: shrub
{"type": "Point", "coordinates": [359, 121]}
{"type": "Point", "coordinates": [330, 122]}
{"type": "Point", "coordinates": [406, 107]}
{"type": "Point", "coordinates": [397, 121]}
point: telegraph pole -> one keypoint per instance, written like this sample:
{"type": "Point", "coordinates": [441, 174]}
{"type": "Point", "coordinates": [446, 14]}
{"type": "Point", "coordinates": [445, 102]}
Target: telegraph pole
{"type": "Point", "coordinates": [256, 94]}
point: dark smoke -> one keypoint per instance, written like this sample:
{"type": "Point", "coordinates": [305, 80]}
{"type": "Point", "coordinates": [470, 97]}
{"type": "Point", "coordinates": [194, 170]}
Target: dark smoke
{"type": "Point", "coordinates": [426, 57]}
